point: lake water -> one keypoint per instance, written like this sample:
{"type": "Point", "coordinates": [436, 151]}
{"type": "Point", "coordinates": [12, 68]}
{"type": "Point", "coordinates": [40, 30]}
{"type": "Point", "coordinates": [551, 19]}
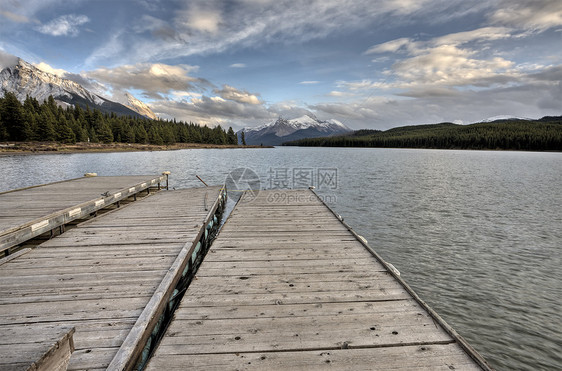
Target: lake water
{"type": "Point", "coordinates": [477, 234]}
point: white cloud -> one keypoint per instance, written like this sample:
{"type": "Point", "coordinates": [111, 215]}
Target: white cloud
{"type": "Point", "coordinates": [365, 84]}
{"type": "Point", "coordinates": [240, 96]}
{"type": "Point", "coordinates": [46, 68]}
{"type": "Point", "coordinates": [186, 94]}
{"type": "Point", "coordinates": [212, 111]}
{"type": "Point", "coordinates": [535, 98]}
{"type": "Point", "coordinates": [336, 93]}
{"type": "Point", "coordinates": [452, 60]}
{"type": "Point", "coordinates": [309, 82]}
{"type": "Point", "coordinates": [477, 35]}
{"type": "Point", "coordinates": [535, 15]}
{"type": "Point", "coordinates": [392, 46]}
{"type": "Point", "coordinates": [201, 27]}
{"type": "Point", "coordinates": [410, 46]}
{"type": "Point", "coordinates": [154, 79]}
{"type": "Point", "coordinates": [237, 65]}
{"type": "Point", "coordinates": [448, 65]}
{"type": "Point", "coordinates": [340, 94]}
{"type": "Point", "coordinates": [65, 25]}
{"type": "Point", "coordinates": [201, 17]}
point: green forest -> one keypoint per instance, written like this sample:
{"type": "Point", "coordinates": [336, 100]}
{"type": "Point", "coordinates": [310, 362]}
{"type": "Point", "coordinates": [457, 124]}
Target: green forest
{"type": "Point", "coordinates": [531, 135]}
{"type": "Point", "coordinates": [34, 121]}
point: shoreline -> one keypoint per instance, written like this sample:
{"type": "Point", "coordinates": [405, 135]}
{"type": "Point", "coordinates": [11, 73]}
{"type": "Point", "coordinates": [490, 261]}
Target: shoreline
{"type": "Point", "coordinates": [44, 148]}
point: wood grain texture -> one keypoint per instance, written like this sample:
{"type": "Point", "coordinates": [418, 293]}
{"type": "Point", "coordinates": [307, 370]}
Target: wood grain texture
{"type": "Point", "coordinates": [98, 277]}
{"type": "Point", "coordinates": [287, 286]}
{"type": "Point", "coordinates": [29, 212]}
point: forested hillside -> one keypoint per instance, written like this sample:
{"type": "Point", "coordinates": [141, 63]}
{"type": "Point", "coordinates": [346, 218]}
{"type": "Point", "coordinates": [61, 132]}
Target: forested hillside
{"type": "Point", "coordinates": [531, 135]}
{"type": "Point", "coordinates": [32, 121]}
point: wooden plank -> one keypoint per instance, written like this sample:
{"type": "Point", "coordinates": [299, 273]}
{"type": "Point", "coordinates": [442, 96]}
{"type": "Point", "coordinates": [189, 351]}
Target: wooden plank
{"type": "Point", "coordinates": [97, 278]}
{"type": "Point", "coordinates": [444, 357]}
{"type": "Point", "coordinates": [297, 310]}
{"type": "Point", "coordinates": [61, 203]}
{"type": "Point", "coordinates": [287, 285]}
{"type": "Point", "coordinates": [292, 338]}
{"type": "Point", "coordinates": [211, 299]}
{"type": "Point", "coordinates": [40, 351]}
{"type": "Point", "coordinates": [132, 346]}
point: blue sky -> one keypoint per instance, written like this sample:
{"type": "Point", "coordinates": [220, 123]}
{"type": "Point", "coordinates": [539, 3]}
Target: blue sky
{"type": "Point", "coordinates": [368, 63]}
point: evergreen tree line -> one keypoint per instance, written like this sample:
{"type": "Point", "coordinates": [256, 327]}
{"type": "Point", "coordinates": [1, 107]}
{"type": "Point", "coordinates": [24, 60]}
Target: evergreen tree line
{"type": "Point", "coordinates": [34, 121]}
{"type": "Point", "coordinates": [540, 135]}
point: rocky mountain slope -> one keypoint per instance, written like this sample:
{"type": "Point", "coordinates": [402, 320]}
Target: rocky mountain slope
{"type": "Point", "coordinates": [283, 130]}
{"type": "Point", "coordinates": [23, 79]}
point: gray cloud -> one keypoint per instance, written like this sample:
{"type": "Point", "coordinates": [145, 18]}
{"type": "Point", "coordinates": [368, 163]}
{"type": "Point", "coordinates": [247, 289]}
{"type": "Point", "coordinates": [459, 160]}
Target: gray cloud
{"type": "Point", "coordinates": [529, 14]}
{"type": "Point", "coordinates": [203, 27]}
{"type": "Point", "coordinates": [534, 99]}
{"type": "Point", "coordinates": [7, 60]}
{"type": "Point", "coordinates": [212, 111]}
{"type": "Point", "coordinates": [240, 96]}
{"type": "Point", "coordinates": [153, 79]}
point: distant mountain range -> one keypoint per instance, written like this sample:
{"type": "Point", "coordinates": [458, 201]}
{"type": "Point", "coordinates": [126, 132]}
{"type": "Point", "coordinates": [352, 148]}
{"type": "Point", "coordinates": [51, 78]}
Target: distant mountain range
{"type": "Point", "coordinates": [25, 79]}
{"type": "Point", "coordinates": [282, 130]}
{"type": "Point", "coordinates": [503, 132]}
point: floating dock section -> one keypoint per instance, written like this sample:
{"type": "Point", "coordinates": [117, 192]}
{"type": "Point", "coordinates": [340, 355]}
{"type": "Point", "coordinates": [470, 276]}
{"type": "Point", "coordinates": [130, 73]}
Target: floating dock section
{"type": "Point", "coordinates": [104, 288]}
{"type": "Point", "coordinates": [288, 285]}
{"type": "Point", "coordinates": [29, 212]}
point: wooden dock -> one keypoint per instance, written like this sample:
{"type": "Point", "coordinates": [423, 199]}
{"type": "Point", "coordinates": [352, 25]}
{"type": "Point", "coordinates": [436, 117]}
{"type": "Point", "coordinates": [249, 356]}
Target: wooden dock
{"type": "Point", "coordinates": [112, 279]}
{"type": "Point", "coordinates": [29, 212]}
{"type": "Point", "coordinates": [288, 285]}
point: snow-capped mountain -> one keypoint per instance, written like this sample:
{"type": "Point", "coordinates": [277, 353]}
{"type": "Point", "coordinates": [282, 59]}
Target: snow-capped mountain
{"type": "Point", "coordinates": [505, 118]}
{"type": "Point", "coordinates": [24, 79]}
{"type": "Point", "coordinates": [282, 130]}
{"type": "Point", "coordinates": [138, 106]}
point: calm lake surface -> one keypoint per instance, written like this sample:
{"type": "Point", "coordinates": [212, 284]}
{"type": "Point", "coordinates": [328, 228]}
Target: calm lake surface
{"type": "Point", "coordinates": [477, 234]}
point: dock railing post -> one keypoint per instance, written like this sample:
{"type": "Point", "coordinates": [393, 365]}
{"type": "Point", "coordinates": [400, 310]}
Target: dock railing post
{"type": "Point", "coordinates": [167, 173]}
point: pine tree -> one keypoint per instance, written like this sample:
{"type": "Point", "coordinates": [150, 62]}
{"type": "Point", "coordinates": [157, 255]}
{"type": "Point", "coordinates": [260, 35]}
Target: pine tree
{"type": "Point", "coordinates": [104, 133]}
{"type": "Point", "coordinates": [66, 135]}
{"type": "Point", "coordinates": [218, 136]}
{"type": "Point", "coordinates": [243, 138]}
{"type": "Point", "coordinates": [154, 136]}
{"type": "Point", "coordinates": [232, 138]}
{"type": "Point", "coordinates": [45, 128]}
{"type": "Point", "coordinates": [141, 136]}
{"type": "Point", "coordinates": [92, 136]}
{"type": "Point", "coordinates": [13, 119]}
{"type": "Point", "coordinates": [3, 131]}
{"type": "Point", "coordinates": [167, 135]}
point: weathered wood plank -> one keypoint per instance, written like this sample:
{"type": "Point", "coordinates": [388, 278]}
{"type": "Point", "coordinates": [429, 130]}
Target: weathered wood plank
{"type": "Point", "coordinates": [44, 351]}
{"type": "Point", "coordinates": [444, 357]}
{"type": "Point", "coordinates": [98, 278]}
{"type": "Point", "coordinates": [211, 299]}
{"type": "Point", "coordinates": [38, 209]}
{"type": "Point", "coordinates": [297, 310]}
{"type": "Point", "coordinates": [286, 285]}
